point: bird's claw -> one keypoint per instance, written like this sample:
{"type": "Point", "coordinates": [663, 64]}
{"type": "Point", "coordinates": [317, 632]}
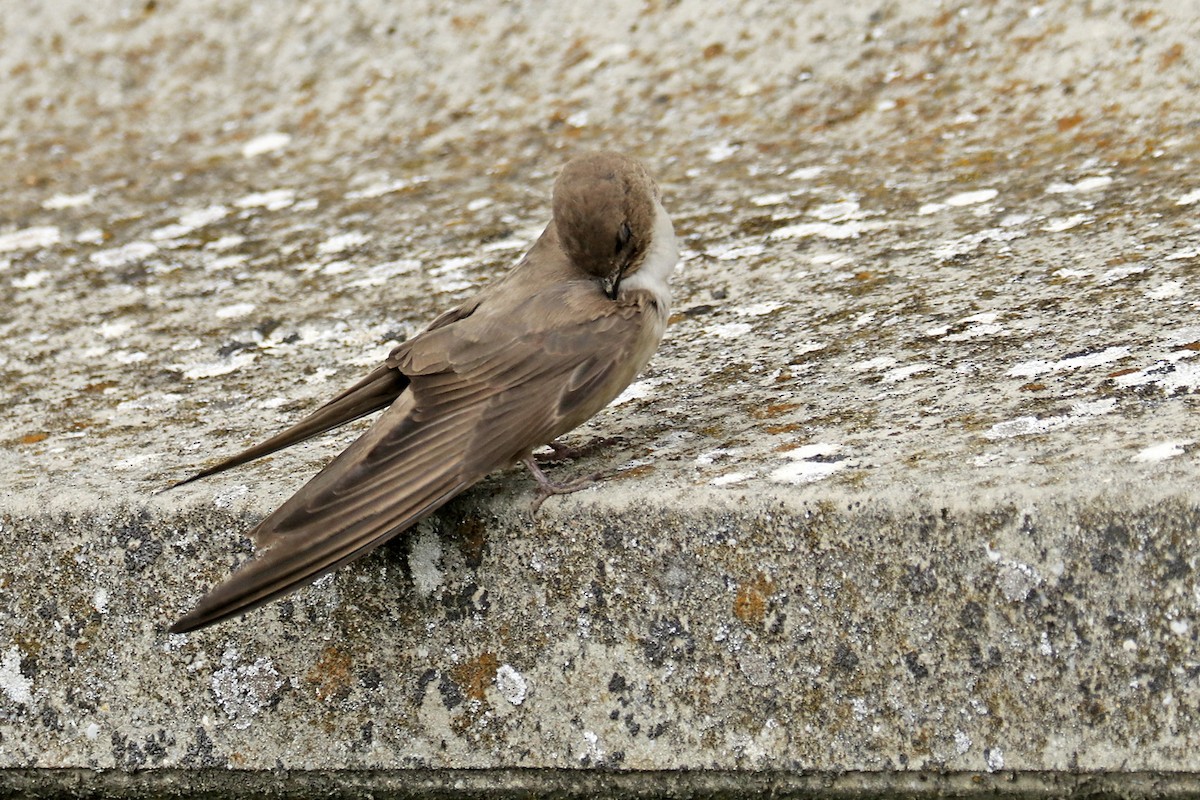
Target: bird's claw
{"type": "Point", "coordinates": [547, 487]}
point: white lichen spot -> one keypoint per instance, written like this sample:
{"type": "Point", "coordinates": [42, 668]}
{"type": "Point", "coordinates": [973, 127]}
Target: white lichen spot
{"type": "Point", "coordinates": [771, 199]}
{"type": "Point", "coordinates": [90, 236]}
{"type": "Point", "coordinates": [423, 561]}
{"type": "Point", "coordinates": [757, 668]}
{"type": "Point", "coordinates": [125, 254]}
{"type": "Point", "coordinates": [16, 686]}
{"type": "Point", "coordinates": [721, 151]}
{"type": "Point", "coordinates": [1031, 369]}
{"type": "Point", "coordinates": [271, 201]}
{"type": "Point", "coordinates": [637, 391]}
{"type": "Point", "coordinates": [226, 262]}
{"type": "Point", "coordinates": [1182, 255]}
{"type": "Point", "coordinates": [1017, 580]}
{"type": "Point", "coordinates": [382, 273]}
{"type": "Point", "coordinates": [732, 251]}
{"type": "Point", "coordinates": [805, 173]}
{"type": "Point", "coordinates": [827, 230]}
{"type": "Point", "coordinates": [234, 311]}
{"type": "Point", "coordinates": [1183, 337]}
{"type": "Point", "coordinates": [1179, 627]}
{"type": "Point", "coordinates": [962, 742]}
{"type": "Point", "coordinates": [387, 186]}
{"type": "Point", "coordinates": [971, 242]}
{"type": "Point", "coordinates": [1012, 220]}
{"type": "Point", "coordinates": [137, 461]}
{"type": "Point", "coordinates": [1060, 224]}
{"type": "Point", "coordinates": [838, 212]}
{"type": "Point", "coordinates": [228, 498]}
{"type": "Point", "coordinates": [863, 320]}
{"type": "Point", "coordinates": [959, 200]}
{"type": "Point", "coordinates": [189, 222]}
{"type": "Point", "coordinates": [29, 239]}
{"type": "Point", "coordinates": [216, 368]}
{"type": "Point", "coordinates": [594, 751]}
{"type": "Point", "coordinates": [511, 684]}
{"type": "Point", "coordinates": [267, 143]}
{"type": "Point", "coordinates": [31, 280]}
{"type": "Point", "coordinates": [1026, 426]}
{"type": "Point", "coordinates": [1070, 272]}
{"type": "Point", "coordinates": [1120, 273]}
{"type": "Point", "coordinates": [970, 198]}
{"type": "Point", "coordinates": [830, 259]}
{"type": "Point", "coordinates": [1189, 198]}
{"type": "Point", "coordinates": [225, 243]}
{"type": "Point", "coordinates": [811, 462]}
{"type": "Point", "coordinates": [808, 346]}
{"type": "Point", "coordinates": [92, 730]}
{"type": "Point", "coordinates": [100, 600]}
{"type": "Point", "coordinates": [707, 459]}
{"type": "Point", "coordinates": [757, 309]}
{"type": "Point", "coordinates": [1085, 185]}
{"type": "Point", "coordinates": [729, 478]}
{"type": "Point", "coordinates": [861, 708]}
{"type": "Point", "coordinates": [244, 691]}
{"type": "Point", "coordinates": [339, 267]}
{"type": "Point", "coordinates": [729, 330]}
{"type": "Point", "coordinates": [993, 759]}
{"type": "Point", "coordinates": [61, 201]}
{"type": "Point", "coordinates": [114, 329]}
{"type": "Point", "coordinates": [1165, 291]}
{"type": "Point", "coordinates": [343, 242]}
{"type": "Point", "coordinates": [1170, 377]}
{"type": "Point", "coordinates": [507, 243]}
{"type": "Point", "coordinates": [320, 375]}
{"type": "Point", "coordinates": [1162, 451]}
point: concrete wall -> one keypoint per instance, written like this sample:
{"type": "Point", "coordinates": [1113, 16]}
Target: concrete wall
{"type": "Point", "coordinates": [908, 494]}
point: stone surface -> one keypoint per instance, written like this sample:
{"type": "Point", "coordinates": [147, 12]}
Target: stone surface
{"type": "Point", "coordinates": [909, 486]}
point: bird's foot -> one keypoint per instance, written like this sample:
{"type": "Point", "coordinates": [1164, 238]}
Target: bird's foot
{"type": "Point", "coordinates": [547, 487]}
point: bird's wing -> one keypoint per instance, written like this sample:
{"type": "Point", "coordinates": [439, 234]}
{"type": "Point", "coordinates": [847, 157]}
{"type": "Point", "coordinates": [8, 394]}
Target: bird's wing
{"type": "Point", "coordinates": [481, 394]}
{"type": "Point", "coordinates": [377, 390]}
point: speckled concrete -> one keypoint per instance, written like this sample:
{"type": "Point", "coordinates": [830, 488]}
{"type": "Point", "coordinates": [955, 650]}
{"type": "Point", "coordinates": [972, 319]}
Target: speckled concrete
{"type": "Point", "coordinates": [909, 488]}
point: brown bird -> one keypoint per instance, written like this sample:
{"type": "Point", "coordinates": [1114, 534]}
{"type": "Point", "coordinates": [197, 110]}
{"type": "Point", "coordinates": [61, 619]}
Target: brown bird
{"type": "Point", "coordinates": [526, 360]}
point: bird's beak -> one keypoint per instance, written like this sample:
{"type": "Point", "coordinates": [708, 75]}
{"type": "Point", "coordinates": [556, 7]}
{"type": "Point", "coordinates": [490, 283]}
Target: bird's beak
{"type": "Point", "coordinates": [612, 284]}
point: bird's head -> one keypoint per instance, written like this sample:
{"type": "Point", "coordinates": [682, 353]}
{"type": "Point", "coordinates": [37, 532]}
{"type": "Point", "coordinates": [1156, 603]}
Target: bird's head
{"type": "Point", "coordinates": [604, 211]}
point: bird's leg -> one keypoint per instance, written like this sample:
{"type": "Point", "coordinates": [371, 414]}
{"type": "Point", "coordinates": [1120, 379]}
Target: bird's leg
{"type": "Point", "coordinates": [562, 452]}
{"type": "Point", "coordinates": [546, 487]}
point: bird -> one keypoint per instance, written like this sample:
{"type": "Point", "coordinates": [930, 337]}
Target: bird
{"type": "Point", "coordinates": [530, 357]}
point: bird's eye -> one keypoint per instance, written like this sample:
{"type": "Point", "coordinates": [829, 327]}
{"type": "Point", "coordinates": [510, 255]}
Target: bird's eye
{"type": "Point", "coordinates": [624, 234]}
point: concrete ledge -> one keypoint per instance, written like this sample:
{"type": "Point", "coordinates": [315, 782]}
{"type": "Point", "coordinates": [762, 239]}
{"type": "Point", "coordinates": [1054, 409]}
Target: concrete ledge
{"type": "Point", "coordinates": [563, 784]}
{"type": "Point", "coordinates": [755, 635]}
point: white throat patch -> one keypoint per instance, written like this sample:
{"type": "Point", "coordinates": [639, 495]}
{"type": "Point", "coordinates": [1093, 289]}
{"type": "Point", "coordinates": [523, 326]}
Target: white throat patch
{"type": "Point", "coordinates": [660, 261]}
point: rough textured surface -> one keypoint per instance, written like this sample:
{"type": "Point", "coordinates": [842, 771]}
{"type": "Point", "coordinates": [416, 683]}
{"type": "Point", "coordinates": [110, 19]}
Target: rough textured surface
{"type": "Point", "coordinates": [909, 486]}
